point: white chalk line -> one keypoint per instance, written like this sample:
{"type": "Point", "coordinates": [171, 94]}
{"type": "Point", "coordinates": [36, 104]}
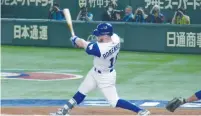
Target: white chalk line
{"type": "Point", "coordinates": [55, 70]}
{"type": "Point", "coordinates": [22, 79]}
{"type": "Point", "coordinates": [93, 115]}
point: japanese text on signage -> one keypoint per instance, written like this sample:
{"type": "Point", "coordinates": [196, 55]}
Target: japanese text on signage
{"type": "Point", "coordinates": [42, 3]}
{"type": "Point", "coordinates": [34, 32]}
{"type": "Point", "coordinates": [170, 4]}
{"type": "Point", "coordinates": [183, 39]}
{"type": "Point", "coordinates": [96, 3]}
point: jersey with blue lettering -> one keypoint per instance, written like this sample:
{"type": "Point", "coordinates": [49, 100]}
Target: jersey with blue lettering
{"type": "Point", "coordinates": [105, 54]}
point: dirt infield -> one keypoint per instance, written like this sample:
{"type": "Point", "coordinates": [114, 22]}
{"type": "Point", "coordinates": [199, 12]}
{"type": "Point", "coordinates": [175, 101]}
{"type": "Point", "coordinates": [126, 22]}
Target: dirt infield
{"type": "Point", "coordinates": [92, 111]}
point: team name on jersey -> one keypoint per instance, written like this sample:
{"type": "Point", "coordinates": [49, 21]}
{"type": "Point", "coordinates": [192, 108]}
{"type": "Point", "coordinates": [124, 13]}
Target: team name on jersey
{"type": "Point", "coordinates": [111, 51]}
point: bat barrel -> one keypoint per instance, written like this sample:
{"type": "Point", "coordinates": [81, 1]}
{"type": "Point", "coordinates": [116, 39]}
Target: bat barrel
{"type": "Point", "coordinates": [69, 20]}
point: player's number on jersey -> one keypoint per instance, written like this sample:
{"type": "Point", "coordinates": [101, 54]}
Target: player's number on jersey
{"type": "Point", "coordinates": [112, 61]}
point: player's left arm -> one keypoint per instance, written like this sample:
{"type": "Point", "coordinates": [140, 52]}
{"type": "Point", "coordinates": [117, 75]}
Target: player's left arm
{"type": "Point", "coordinates": [91, 48]}
{"type": "Point", "coordinates": [78, 42]}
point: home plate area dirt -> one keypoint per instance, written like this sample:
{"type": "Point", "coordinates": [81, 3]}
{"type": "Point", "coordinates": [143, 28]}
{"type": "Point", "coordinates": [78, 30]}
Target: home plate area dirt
{"type": "Point", "coordinates": [92, 111]}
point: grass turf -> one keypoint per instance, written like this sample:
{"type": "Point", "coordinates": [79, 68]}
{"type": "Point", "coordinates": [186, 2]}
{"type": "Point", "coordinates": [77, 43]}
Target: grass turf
{"type": "Point", "coordinates": [139, 75]}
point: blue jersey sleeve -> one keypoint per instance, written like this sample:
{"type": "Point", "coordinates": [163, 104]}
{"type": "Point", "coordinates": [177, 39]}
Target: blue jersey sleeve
{"type": "Point", "coordinates": [198, 95]}
{"type": "Point", "coordinates": [93, 49]}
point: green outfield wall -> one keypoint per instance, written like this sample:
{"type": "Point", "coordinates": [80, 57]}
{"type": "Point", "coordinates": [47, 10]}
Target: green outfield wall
{"type": "Point", "coordinates": [38, 9]}
{"type": "Point", "coordinates": [134, 37]}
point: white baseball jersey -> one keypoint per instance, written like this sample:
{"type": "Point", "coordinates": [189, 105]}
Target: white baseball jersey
{"type": "Point", "coordinates": [105, 53]}
{"type": "Point", "coordinates": [103, 75]}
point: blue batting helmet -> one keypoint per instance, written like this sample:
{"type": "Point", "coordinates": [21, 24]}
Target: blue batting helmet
{"type": "Point", "coordinates": [103, 29]}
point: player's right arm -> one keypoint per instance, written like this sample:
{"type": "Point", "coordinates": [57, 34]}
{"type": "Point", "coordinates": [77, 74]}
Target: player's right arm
{"type": "Point", "coordinates": [91, 48]}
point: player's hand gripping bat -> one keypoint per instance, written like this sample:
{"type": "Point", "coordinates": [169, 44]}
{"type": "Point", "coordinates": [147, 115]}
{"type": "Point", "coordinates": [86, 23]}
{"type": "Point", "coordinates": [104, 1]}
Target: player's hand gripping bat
{"type": "Point", "coordinates": [81, 43]}
{"type": "Point", "coordinates": [69, 20]}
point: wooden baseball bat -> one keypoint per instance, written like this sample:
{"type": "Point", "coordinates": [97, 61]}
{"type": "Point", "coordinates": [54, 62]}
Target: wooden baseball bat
{"type": "Point", "coordinates": [69, 20]}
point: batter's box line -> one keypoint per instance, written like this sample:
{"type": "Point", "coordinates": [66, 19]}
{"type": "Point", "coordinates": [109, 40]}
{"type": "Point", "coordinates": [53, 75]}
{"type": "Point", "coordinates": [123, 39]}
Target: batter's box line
{"type": "Point", "coordinates": [95, 115]}
{"type": "Point", "coordinates": [38, 69]}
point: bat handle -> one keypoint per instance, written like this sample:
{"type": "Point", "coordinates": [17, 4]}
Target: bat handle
{"type": "Point", "coordinates": [73, 34]}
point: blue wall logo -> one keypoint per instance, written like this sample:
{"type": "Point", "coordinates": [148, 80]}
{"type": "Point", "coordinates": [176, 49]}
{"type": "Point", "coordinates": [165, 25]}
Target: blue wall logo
{"type": "Point", "coordinates": [12, 75]}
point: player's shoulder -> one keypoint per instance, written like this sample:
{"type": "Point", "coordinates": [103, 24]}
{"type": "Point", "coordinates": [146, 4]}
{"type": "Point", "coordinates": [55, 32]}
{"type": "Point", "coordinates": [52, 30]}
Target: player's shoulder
{"type": "Point", "coordinates": [115, 38]}
{"type": "Point", "coordinates": [102, 46]}
{"type": "Point", "coordinates": [115, 35]}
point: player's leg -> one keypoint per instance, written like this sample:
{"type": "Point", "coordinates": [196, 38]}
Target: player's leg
{"type": "Point", "coordinates": [87, 85]}
{"type": "Point", "coordinates": [111, 95]}
{"type": "Point", "coordinates": [195, 97]}
{"type": "Point", "coordinates": [106, 83]}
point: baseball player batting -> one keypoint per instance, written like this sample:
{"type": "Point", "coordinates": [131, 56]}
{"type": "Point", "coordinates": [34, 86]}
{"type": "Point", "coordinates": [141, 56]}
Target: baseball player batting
{"type": "Point", "coordinates": [102, 75]}
{"type": "Point", "coordinates": [176, 102]}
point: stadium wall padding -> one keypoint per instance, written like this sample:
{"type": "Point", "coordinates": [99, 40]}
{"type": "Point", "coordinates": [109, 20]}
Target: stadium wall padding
{"type": "Point", "coordinates": [134, 37]}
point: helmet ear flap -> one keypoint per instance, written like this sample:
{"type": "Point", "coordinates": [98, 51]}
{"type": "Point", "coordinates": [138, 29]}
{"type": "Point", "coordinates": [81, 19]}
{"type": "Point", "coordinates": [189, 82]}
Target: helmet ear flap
{"type": "Point", "coordinates": [96, 32]}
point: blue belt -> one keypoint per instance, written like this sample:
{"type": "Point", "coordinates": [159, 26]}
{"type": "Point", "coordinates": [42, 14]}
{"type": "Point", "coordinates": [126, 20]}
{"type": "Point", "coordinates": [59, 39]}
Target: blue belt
{"type": "Point", "coordinates": [95, 69]}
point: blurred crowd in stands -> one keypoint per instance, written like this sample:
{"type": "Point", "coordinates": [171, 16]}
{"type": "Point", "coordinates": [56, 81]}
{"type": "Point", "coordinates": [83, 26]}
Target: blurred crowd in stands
{"type": "Point", "coordinates": [127, 15]}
